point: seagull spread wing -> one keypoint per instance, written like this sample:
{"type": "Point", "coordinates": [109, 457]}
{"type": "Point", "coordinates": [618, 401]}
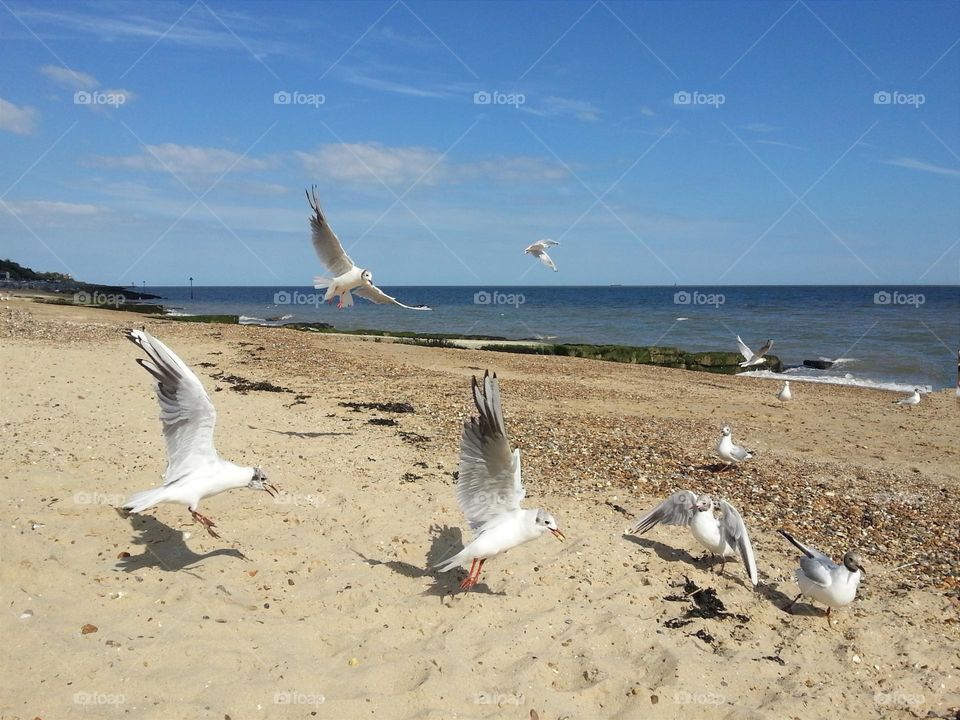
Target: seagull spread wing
{"type": "Point", "coordinates": [744, 350]}
{"type": "Point", "coordinates": [764, 350]}
{"type": "Point", "coordinates": [547, 260]}
{"type": "Point", "coordinates": [489, 481]}
{"type": "Point", "coordinates": [187, 415]}
{"type": "Point", "coordinates": [675, 510]}
{"type": "Point", "coordinates": [735, 535]}
{"type": "Point", "coordinates": [375, 294]}
{"type": "Point", "coordinates": [325, 241]}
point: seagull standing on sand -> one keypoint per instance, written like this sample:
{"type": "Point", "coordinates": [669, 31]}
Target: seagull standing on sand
{"type": "Point", "coordinates": [725, 536]}
{"type": "Point", "coordinates": [910, 400]}
{"type": "Point", "coordinates": [347, 276]}
{"type": "Point", "coordinates": [489, 489]}
{"type": "Point", "coordinates": [539, 251]}
{"type": "Point", "coordinates": [729, 452]}
{"type": "Point", "coordinates": [750, 359]}
{"type": "Point", "coordinates": [785, 393]}
{"type": "Point", "coordinates": [194, 470]}
{"type": "Point", "coordinates": [823, 580]}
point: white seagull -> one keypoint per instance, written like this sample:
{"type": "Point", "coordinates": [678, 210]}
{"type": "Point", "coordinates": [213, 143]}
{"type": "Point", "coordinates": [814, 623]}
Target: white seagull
{"type": "Point", "coordinates": [785, 393]}
{"type": "Point", "coordinates": [750, 358]}
{"type": "Point", "coordinates": [725, 536]}
{"type": "Point", "coordinates": [539, 251]}
{"type": "Point", "coordinates": [347, 277]}
{"type": "Point", "coordinates": [729, 452]}
{"type": "Point", "coordinates": [910, 400]}
{"type": "Point", "coordinates": [489, 489]}
{"type": "Point", "coordinates": [194, 470]}
{"type": "Point", "coordinates": [825, 581]}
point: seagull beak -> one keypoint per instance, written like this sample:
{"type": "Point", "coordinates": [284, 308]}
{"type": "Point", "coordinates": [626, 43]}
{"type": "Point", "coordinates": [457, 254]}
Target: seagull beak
{"type": "Point", "coordinates": [862, 570]}
{"type": "Point", "coordinates": [558, 535]}
{"type": "Point", "coordinates": [271, 490]}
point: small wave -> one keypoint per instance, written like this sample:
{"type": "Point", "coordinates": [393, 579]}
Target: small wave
{"type": "Point", "coordinates": [177, 313]}
{"type": "Point", "coordinates": [682, 319]}
{"type": "Point", "coordinates": [247, 320]}
{"type": "Point", "coordinates": [799, 375]}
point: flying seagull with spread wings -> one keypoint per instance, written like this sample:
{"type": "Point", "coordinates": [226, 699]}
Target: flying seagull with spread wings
{"type": "Point", "coordinates": [347, 277]}
{"type": "Point", "coordinates": [194, 470]}
{"type": "Point", "coordinates": [753, 358]}
{"type": "Point", "coordinates": [539, 251]}
{"type": "Point", "coordinates": [489, 489]}
{"type": "Point", "coordinates": [725, 536]}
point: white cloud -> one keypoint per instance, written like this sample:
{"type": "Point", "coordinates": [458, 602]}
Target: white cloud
{"type": "Point", "coordinates": [553, 106]}
{"type": "Point", "coordinates": [367, 163]}
{"type": "Point", "coordinates": [47, 208]}
{"type": "Point", "coordinates": [646, 111]}
{"type": "Point", "coordinates": [186, 160]}
{"type": "Point", "coordinates": [18, 119]}
{"type": "Point", "coordinates": [513, 170]}
{"type": "Point", "coordinates": [914, 164]}
{"type": "Point", "coordinates": [71, 79]}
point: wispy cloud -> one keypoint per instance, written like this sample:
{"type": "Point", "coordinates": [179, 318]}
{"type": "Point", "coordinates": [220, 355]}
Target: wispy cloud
{"type": "Point", "coordinates": [70, 79]}
{"type": "Point", "coordinates": [914, 164]}
{"type": "Point", "coordinates": [46, 208]}
{"type": "Point", "coordinates": [18, 119]}
{"type": "Point", "coordinates": [187, 160]}
{"type": "Point", "coordinates": [554, 106]}
{"type": "Point", "coordinates": [779, 143]}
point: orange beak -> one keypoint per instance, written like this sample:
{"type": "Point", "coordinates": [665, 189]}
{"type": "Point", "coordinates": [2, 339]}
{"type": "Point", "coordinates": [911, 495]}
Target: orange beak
{"type": "Point", "coordinates": [559, 535]}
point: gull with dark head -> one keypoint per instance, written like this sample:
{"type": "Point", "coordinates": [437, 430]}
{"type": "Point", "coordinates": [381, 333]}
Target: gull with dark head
{"type": "Point", "coordinates": [489, 488]}
{"type": "Point", "coordinates": [194, 469]}
{"type": "Point", "coordinates": [823, 580]}
{"type": "Point", "coordinates": [539, 251]}
{"type": "Point", "coordinates": [911, 399]}
{"type": "Point", "coordinates": [725, 536]}
{"type": "Point", "coordinates": [750, 358]}
{"type": "Point", "coordinates": [729, 452]}
{"type": "Point", "coordinates": [347, 277]}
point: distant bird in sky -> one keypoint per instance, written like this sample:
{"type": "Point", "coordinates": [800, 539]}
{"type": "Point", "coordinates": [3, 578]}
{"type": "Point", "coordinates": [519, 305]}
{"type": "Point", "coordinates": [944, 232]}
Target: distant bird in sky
{"type": "Point", "coordinates": [823, 580]}
{"type": "Point", "coordinates": [750, 358]}
{"type": "Point", "coordinates": [785, 393]}
{"type": "Point", "coordinates": [729, 452]}
{"type": "Point", "coordinates": [489, 488]}
{"type": "Point", "coordinates": [539, 251]}
{"type": "Point", "coordinates": [725, 536]}
{"type": "Point", "coordinates": [194, 470]}
{"type": "Point", "coordinates": [347, 277]}
{"type": "Point", "coordinates": [910, 400]}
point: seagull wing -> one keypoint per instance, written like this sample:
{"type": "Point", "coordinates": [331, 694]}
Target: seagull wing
{"type": "Point", "coordinates": [808, 551]}
{"type": "Point", "coordinates": [489, 481]}
{"type": "Point", "coordinates": [764, 350]}
{"type": "Point", "coordinates": [735, 534]}
{"type": "Point", "coordinates": [817, 570]}
{"type": "Point", "coordinates": [378, 296]}
{"type": "Point", "coordinates": [187, 415]}
{"type": "Point", "coordinates": [744, 350]}
{"type": "Point", "coordinates": [546, 260]}
{"type": "Point", "coordinates": [739, 453]}
{"type": "Point", "coordinates": [325, 241]}
{"type": "Point", "coordinates": [675, 510]}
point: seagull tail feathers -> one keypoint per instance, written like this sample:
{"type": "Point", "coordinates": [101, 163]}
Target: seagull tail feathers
{"type": "Point", "coordinates": [138, 502]}
{"type": "Point", "coordinates": [450, 563]}
{"type": "Point", "coordinates": [320, 282]}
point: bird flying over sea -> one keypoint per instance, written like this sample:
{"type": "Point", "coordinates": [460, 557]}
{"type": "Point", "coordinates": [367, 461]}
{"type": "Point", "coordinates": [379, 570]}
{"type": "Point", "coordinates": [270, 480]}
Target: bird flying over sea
{"type": "Point", "coordinates": [539, 251]}
{"type": "Point", "coordinates": [750, 358]}
{"type": "Point", "coordinates": [194, 469]}
{"type": "Point", "coordinates": [489, 488]}
{"type": "Point", "coordinates": [347, 277]}
{"type": "Point", "coordinates": [725, 536]}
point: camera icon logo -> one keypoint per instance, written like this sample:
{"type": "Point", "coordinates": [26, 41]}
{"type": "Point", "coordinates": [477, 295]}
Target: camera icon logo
{"type": "Point", "coordinates": [882, 298]}
{"type": "Point", "coordinates": [281, 97]}
{"type": "Point", "coordinates": [682, 97]}
{"type": "Point", "coordinates": [882, 97]}
{"type": "Point", "coordinates": [82, 97]}
{"type": "Point", "coordinates": [681, 297]}
{"type": "Point", "coordinates": [482, 97]}
{"type": "Point", "coordinates": [482, 298]}
{"type": "Point", "coordinates": [281, 298]}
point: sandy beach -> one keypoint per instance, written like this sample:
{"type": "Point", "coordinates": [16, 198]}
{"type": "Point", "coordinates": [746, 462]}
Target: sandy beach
{"type": "Point", "coordinates": [321, 602]}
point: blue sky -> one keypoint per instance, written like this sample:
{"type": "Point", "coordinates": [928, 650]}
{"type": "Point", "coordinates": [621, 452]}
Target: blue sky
{"type": "Point", "coordinates": [661, 143]}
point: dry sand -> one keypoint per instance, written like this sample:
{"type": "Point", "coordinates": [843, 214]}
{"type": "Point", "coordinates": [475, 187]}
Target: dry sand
{"type": "Point", "coordinates": [332, 614]}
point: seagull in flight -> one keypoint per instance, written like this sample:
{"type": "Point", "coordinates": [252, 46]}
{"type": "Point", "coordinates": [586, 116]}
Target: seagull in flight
{"type": "Point", "coordinates": [729, 452]}
{"type": "Point", "coordinates": [750, 358]}
{"type": "Point", "coordinates": [785, 393]}
{"type": "Point", "coordinates": [194, 470]}
{"type": "Point", "coordinates": [910, 400]}
{"type": "Point", "coordinates": [823, 580]}
{"type": "Point", "coordinates": [725, 536]}
{"type": "Point", "coordinates": [539, 251]}
{"type": "Point", "coordinates": [489, 489]}
{"type": "Point", "coordinates": [347, 277]}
